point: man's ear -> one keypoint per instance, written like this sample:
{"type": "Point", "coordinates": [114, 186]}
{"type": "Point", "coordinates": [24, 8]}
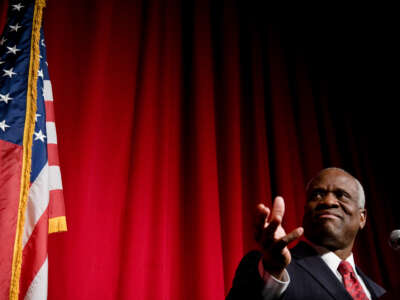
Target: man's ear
{"type": "Point", "coordinates": [363, 217]}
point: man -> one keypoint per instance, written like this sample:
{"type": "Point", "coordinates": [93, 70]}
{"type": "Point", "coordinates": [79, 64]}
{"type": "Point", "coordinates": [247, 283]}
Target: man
{"type": "Point", "coordinates": [321, 268]}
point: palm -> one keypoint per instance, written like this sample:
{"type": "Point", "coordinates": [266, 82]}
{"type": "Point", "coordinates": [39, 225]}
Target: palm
{"type": "Point", "coordinates": [273, 238]}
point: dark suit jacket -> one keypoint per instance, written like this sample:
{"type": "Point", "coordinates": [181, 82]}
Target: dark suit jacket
{"type": "Point", "coordinates": [310, 278]}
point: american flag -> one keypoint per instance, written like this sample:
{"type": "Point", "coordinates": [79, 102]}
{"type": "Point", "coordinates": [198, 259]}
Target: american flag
{"type": "Point", "coordinates": [31, 198]}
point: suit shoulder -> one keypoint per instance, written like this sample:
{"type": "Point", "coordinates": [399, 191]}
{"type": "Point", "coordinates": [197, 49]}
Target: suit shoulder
{"type": "Point", "coordinates": [251, 256]}
{"type": "Point", "coordinates": [249, 264]}
{"type": "Point", "coordinates": [247, 283]}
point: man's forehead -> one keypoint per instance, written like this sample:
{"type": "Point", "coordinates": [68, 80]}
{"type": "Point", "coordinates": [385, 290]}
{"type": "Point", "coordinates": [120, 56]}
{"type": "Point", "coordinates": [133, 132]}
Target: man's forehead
{"type": "Point", "coordinates": [334, 178]}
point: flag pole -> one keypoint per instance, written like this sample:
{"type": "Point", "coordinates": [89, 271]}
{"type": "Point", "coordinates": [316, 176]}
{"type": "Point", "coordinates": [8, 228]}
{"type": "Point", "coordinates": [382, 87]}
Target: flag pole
{"type": "Point", "coordinates": [27, 145]}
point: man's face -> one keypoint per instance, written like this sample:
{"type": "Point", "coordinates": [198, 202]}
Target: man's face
{"type": "Point", "coordinates": [332, 215]}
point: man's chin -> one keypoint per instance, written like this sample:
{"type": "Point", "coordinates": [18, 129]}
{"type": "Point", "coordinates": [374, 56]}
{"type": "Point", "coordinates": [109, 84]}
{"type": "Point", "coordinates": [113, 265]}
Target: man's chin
{"type": "Point", "coordinates": [325, 236]}
{"type": "Point", "coordinates": [326, 226]}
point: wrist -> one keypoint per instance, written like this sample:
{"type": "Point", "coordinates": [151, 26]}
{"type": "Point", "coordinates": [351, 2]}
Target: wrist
{"type": "Point", "coordinates": [266, 271]}
{"type": "Point", "coordinates": [277, 272]}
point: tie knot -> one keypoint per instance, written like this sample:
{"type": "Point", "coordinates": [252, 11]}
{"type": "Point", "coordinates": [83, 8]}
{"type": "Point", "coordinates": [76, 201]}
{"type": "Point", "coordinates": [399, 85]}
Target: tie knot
{"type": "Point", "coordinates": [345, 268]}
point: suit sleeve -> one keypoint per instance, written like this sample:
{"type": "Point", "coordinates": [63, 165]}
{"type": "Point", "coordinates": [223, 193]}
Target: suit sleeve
{"type": "Point", "coordinates": [247, 284]}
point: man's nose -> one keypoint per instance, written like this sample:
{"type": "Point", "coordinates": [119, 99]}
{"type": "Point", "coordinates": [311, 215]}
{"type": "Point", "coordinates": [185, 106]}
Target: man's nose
{"type": "Point", "coordinates": [329, 199]}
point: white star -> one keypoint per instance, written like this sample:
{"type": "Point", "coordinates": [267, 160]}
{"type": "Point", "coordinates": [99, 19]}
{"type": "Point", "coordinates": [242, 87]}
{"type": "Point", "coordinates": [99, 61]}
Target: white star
{"type": "Point", "coordinates": [15, 27]}
{"type": "Point", "coordinates": [1, 62]}
{"type": "Point", "coordinates": [9, 73]}
{"type": "Point", "coordinates": [13, 50]}
{"type": "Point", "coordinates": [43, 44]}
{"type": "Point", "coordinates": [40, 73]}
{"type": "Point", "coordinates": [5, 98]}
{"type": "Point", "coordinates": [37, 116]}
{"type": "Point", "coordinates": [3, 125]}
{"type": "Point", "coordinates": [39, 136]}
{"type": "Point", "coordinates": [2, 41]}
{"type": "Point", "coordinates": [17, 6]}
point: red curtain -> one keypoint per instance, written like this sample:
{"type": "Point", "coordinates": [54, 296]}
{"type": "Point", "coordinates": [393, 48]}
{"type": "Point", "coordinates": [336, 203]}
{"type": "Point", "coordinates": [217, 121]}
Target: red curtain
{"type": "Point", "coordinates": [175, 118]}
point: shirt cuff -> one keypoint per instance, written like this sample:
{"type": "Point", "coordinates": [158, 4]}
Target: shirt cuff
{"type": "Point", "coordinates": [273, 287]}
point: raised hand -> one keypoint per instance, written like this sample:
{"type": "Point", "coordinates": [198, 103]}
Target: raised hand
{"type": "Point", "coordinates": [273, 239]}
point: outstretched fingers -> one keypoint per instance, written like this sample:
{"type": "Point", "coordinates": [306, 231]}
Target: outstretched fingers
{"type": "Point", "coordinates": [269, 232]}
{"type": "Point", "coordinates": [261, 217]}
{"type": "Point", "coordinates": [287, 239]}
{"type": "Point", "coordinates": [278, 208]}
{"type": "Point", "coordinates": [268, 235]}
{"type": "Point", "coordinates": [275, 220]}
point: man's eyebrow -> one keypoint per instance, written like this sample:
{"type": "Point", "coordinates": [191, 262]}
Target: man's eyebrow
{"type": "Point", "coordinates": [323, 189]}
{"type": "Point", "coordinates": [312, 190]}
{"type": "Point", "coordinates": [342, 191]}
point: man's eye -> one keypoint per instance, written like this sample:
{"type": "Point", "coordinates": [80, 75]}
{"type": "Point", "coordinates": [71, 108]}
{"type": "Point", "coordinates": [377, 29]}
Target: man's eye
{"type": "Point", "coordinates": [342, 195]}
{"type": "Point", "coordinates": [339, 194]}
{"type": "Point", "coordinates": [317, 194]}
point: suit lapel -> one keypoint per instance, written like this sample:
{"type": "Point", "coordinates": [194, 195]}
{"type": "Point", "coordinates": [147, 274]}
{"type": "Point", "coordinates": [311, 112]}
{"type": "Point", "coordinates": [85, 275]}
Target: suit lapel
{"type": "Point", "coordinates": [316, 267]}
{"type": "Point", "coordinates": [371, 286]}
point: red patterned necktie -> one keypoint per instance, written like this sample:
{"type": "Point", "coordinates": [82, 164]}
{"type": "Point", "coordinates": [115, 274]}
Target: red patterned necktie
{"type": "Point", "coordinates": [350, 281]}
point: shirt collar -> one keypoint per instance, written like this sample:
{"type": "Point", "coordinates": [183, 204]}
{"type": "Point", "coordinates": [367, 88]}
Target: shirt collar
{"type": "Point", "coordinates": [330, 258]}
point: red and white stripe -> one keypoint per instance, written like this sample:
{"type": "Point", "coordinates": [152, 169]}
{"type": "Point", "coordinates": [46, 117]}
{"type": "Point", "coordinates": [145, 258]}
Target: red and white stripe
{"type": "Point", "coordinates": [34, 270]}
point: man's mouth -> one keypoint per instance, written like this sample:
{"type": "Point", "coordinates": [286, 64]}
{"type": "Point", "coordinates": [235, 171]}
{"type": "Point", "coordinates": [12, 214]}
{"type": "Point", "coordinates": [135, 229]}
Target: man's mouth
{"type": "Point", "coordinates": [327, 215]}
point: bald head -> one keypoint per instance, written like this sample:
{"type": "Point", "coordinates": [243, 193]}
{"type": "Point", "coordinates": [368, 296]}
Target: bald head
{"type": "Point", "coordinates": [338, 171]}
{"type": "Point", "coordinates": [334, 211]}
